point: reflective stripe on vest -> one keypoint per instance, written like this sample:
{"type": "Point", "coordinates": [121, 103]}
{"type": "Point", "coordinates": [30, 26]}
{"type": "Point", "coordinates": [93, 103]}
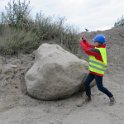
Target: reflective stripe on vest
{"type": "Point", "coordinates": [97, 65]}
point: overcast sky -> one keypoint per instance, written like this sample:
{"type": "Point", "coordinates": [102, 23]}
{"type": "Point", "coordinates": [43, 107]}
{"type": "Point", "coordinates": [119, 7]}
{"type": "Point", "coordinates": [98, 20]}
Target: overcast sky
{"type": "Point", "coordinates": [91, 14]}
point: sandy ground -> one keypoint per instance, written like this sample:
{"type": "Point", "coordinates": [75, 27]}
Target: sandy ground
{"type": "Point", "coordinates": [18, 108]}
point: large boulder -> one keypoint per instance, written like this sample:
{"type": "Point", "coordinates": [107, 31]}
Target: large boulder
{"type": "Point", "coordinates": [56, 73]}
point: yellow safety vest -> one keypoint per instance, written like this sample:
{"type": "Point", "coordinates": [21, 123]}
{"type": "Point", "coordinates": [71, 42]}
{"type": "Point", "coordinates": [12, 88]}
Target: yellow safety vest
{"type": "Point", "coordinates": [98, 66]}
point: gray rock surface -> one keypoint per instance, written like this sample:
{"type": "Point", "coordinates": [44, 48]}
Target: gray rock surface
{"type": "Point", "coordinates": [56, 73]}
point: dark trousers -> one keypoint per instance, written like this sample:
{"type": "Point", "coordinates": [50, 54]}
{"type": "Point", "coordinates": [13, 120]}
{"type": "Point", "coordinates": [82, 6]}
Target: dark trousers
{"type": "Point", "coordinates": [99, 83]}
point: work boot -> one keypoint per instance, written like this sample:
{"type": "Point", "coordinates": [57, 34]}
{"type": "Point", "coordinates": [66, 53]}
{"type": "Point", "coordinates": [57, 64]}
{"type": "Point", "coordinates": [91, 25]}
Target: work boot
{"type": "Point", "coordinates": [87, 98]}
{"type": "Point", "coordinates": [112, 101]}
{"type": "Point", "coordinates": [83, 101]}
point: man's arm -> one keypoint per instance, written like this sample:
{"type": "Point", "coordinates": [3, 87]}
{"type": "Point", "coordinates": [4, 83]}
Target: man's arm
{"type": "Point", "coordinates": [90, 50]}
{"type": "Point", "coordinates": [88, 44]}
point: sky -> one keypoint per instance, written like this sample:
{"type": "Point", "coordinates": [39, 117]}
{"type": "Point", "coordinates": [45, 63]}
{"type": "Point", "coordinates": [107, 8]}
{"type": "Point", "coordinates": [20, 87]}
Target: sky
{"type": "Point", "coordinates": [91, 14]}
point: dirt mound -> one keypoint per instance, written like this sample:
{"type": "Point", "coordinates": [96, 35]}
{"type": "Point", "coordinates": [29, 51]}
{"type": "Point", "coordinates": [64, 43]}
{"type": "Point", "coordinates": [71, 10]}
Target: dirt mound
{"type": "Point", "coordinates": [12, 86]}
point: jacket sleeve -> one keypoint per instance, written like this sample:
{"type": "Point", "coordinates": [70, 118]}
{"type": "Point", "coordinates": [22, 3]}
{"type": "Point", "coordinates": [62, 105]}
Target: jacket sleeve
{"type": "Point", "coordinates": [89, 49]}
{"type": "Point", "coordinates": [88, 44]}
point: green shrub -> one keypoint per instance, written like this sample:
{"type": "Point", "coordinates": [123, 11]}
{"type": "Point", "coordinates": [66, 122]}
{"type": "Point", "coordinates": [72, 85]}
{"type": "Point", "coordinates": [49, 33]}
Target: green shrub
{"type": "Point", "coordinates": [120, 22]}
{"type": "Point", "coordinates": [16, 41]}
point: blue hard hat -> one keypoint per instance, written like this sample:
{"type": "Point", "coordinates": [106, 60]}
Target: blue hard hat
{"type": "Point", "coordinates": [100, 38]}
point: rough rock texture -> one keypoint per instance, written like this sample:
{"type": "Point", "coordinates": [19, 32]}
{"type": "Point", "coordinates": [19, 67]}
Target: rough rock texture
{"type": "Point", "coordinates": [56, 73]}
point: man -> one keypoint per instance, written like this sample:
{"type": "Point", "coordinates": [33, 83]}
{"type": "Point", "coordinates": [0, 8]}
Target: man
{"type": "Point", "coordinates": [97, 65]}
